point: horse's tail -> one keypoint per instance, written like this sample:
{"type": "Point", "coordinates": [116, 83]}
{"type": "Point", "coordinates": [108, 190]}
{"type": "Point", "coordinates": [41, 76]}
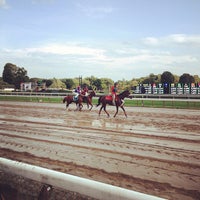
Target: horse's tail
{"type": "Point", "coordinates": [99, 101]}
{"type": "Point", "coordinates": [64, 99]}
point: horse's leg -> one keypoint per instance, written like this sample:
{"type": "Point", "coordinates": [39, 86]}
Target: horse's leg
{"type": "Point", "coordinates": [77, 107]}
{"type": "Point", "coordinates": [116, 111]}
{"type": "Point", "coordinates": [122, 107]}
{"type": "Point", "coordinates": [67, 105]}
{"type": "Point", "coordinates": [100, 110]}
{"type": "Point", "coordinates": [91, 106]}
{"type": "Point", "coordinates": [104, 107]}
{"type": "Point", "coordinates": [86, 100]}
{"type": "Point", "coordinates": [122, 102]}
{"type": "Point", "coordinates": [80, 106]}
{"type": "Point", "coordinates": [90, 103]}
{"type": "Point", "coordinates": [99, 101]}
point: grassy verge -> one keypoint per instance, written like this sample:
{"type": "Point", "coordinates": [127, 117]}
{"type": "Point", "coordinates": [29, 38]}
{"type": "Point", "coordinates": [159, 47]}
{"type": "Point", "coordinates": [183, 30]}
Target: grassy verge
{"type": "Point", "coordinates": [32, 99]}
{"type": "Point", "coordinates": [129, 102]}
{"type": "Point", "coordinates": [165, 104]}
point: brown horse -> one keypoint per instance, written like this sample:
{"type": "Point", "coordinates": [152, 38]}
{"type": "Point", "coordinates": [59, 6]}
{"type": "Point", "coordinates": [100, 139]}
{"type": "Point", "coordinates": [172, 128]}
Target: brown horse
{"type": "Point", "coordinates": [119, 102]}
{"type": "Point", "coordinates": [88, 99]}
{"type": "Point", "coordinates": [70, 99]}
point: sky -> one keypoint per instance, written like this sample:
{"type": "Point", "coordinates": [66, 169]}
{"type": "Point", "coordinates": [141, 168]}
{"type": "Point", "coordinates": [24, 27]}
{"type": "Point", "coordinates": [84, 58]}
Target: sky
{"type": "Point", "coordinates": [116, 39]}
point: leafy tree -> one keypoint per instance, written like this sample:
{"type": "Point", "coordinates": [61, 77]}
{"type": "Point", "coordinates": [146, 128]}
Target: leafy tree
{"type": "Point", "coordinates": [186, 79]}
{"type": "Point", "coordinates": [91, 80]}
{"type": "Point", "coordinates": [86, 82]}
{"type": "Point", "coordinates": [167, 77]}
{"type": "Point", "coordinates": [14, 75]}
{"type": "Point", "coordinates": [56, 83]}
{"type": "Point", "coordinates": [69, 83]}
{"type": "Point", "coordinates": [176, 79]}
{"type": "Point", "coordinates": [97, 84]}
{"type": "Point", "coordinates": [124, 85]}
{"type": "Point", "coordinates": [9, 73]}
{"type": "Point", "coordinates": [48, 82]}
{"type": "Point", "coordinates": [21, 76]}
{"type": "Point", "coordinates": [3, 84]}
{"type": "Point", "coordinates": [76, 81]}
{"type": "Point", "coordinates": [196, 78]}
{"type": "Point", "coordinates": [152, 78]}
{"type": "Point", "coordinates": [106, 83]}
{"type": "Point", "coordinates": [134, 83]}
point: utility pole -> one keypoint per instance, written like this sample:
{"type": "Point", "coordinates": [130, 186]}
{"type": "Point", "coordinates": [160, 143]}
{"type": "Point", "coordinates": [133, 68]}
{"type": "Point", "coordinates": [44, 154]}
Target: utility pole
{"type": "Point", "coordinates": [80, 81]}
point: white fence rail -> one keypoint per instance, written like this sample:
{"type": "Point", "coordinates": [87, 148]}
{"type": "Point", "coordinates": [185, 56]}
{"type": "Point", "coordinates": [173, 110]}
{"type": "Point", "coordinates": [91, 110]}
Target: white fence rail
{"type": "Point", "coordinates": [64, 181]}
{"type": "Point", "coordinates": [158, 96]}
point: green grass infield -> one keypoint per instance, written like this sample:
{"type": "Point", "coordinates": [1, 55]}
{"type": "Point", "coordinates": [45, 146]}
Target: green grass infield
{"type": "Point", "coordinates": [157, 103]}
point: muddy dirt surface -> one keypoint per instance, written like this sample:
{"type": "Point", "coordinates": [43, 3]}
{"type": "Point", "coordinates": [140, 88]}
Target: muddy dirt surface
{"type": "Point", "coordinates": [154, 151]}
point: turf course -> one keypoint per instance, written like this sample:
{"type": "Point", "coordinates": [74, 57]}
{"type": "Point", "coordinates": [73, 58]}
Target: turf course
{"type": "Point", "coordinates": [157, 103]}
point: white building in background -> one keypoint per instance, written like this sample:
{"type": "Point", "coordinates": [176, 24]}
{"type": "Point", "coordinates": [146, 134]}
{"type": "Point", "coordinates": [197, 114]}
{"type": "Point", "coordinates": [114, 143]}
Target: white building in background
{"type": "Point", "coordinates": [26, 86]}
{"type": "Point", "coordinates": [9, 89]}
{"type": "Point", "coordinates": [33, 86]}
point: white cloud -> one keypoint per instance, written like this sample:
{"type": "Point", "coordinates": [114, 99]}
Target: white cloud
{"type": "Point", "coordinates": [59, 49]}
{"type": "Point", "coordinates": [151, 41]}
{"type": "Point", "coordinates": [121, 57]}
{"type": "Point", "coordinates": [184, 39]}
{"type": "Point", "coordinates": [151, 60]}
{"type": "Point", "coordinates": [172, 39]}
{"type": "Point", "coordinates": [42, 1]}
{"type": "Point", "coordinates": [94, 11]}
{"type": "Point", "coordinates": [68, 49]}
{"type": "Point", "coordinates": [3, 4]}
{"type": "Point", "coordinates": [72, 53]}
{"type": "Point", "coordinates": [117, 58]}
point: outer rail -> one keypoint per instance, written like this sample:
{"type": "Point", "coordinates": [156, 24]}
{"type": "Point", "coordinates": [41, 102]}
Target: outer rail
{"type": "Point", "coordinates": [143, 96]}
{"type": "Point", "coordinates": [64, 181]}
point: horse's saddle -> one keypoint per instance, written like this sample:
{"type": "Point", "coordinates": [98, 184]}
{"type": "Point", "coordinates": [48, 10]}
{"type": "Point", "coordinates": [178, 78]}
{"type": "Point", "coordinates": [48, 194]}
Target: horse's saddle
{"type": "Point", "coordinates": [109, 98]}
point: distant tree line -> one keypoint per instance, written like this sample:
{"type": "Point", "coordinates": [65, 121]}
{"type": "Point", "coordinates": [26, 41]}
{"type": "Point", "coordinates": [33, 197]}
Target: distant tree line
{"type": "Point", "coordinates": [13, 76]}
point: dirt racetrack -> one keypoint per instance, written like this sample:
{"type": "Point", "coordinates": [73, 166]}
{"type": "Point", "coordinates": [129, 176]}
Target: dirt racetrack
{"type": "Point", "coordinates": [154, 151]}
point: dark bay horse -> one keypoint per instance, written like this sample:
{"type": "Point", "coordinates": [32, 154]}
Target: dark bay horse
{"type": "Point", "coordinates": [70, 99]}
{"type": "Point", "coordinates": [88, 99]}
{"type": "Point", "coordinates": [119, 102]}
{"type": "Point", "coordinates": [81, 99]}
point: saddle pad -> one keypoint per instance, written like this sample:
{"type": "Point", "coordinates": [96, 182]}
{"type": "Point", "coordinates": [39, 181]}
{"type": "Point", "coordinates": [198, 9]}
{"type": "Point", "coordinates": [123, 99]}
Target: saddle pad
{"type": "Point", "coordinates": [109, 98]}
